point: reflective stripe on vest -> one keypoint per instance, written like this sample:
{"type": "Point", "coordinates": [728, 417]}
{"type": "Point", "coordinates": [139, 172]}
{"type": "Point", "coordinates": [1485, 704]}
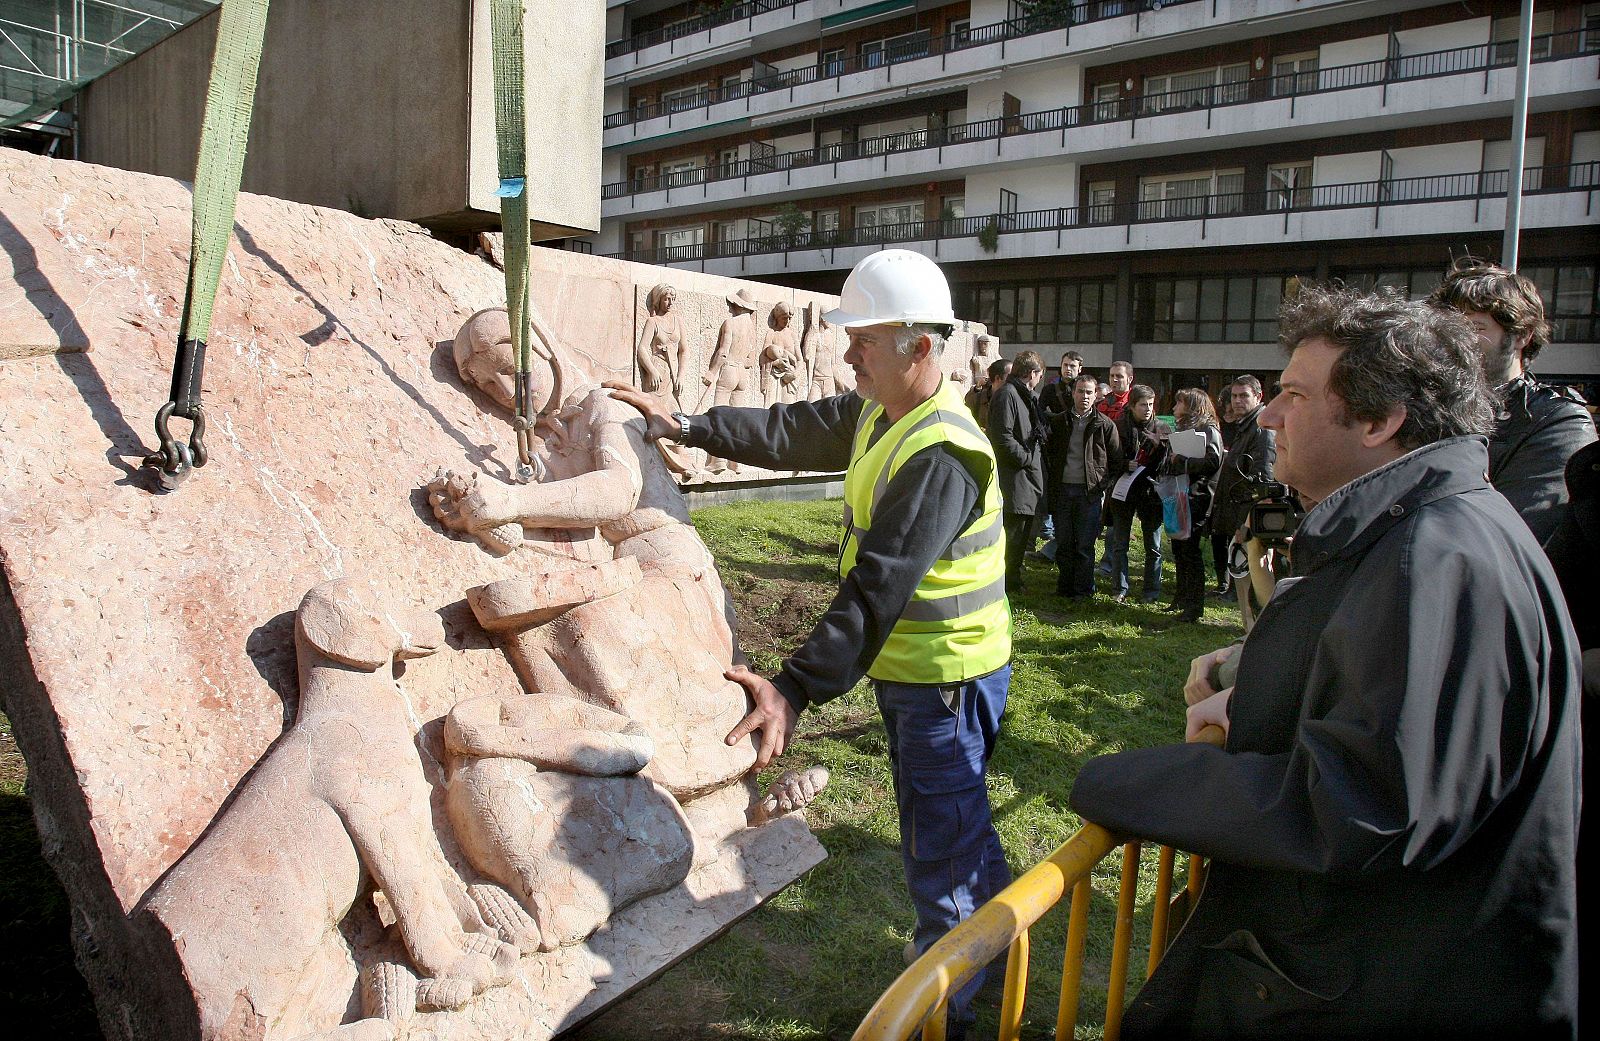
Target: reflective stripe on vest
{"type": "Point", "coordinates": [957, 625]}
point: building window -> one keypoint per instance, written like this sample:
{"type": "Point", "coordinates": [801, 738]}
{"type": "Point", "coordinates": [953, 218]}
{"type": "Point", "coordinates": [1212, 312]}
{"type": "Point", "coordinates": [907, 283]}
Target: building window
{"type": "Point", "coordinates": [959, 32]}
{"type": "Point", "coordinates": [831, 62]}
{"type": "Point", "coordinates": [1503, 37]}
{"type": "Point", "coordinates": [1591, 28]}
{"type": "Point", "coordinates": [1294, 73]}
{"type": "Point", "coordinates": [683, 98]}
{"type": "Point", "coordinates": [1107, 99]}
{"type": "Point", "coordinates": [888, 213]}
{"type": "Point", "coordinates": [1196, 88]}
{"type": "Point", "coordinates": [680, 172]}
{"type": "Point", "coordinates": [644, 178]}
{"type": "Point", "coordinates": [1221, 309]}
{"type": "Point", "coordinates": [682, 243]}
{"type": "Point", "coordinates": [726, 230]}
{"type": "Point", "coordinates": [1102, 202]}
{"type": "Point", "coordinates": [1053, 312]}
{"type": "Point", "coordinates": [730, 85]}
{"type": "Point", "coordinates": [893, 49]}
{"type": "Point", "coordinates": [826, 221]}
{"type": "Point", "coordinates": [1188, 195]}
{"type": "Point", "coordinates": [954, 207]}
{"type": "Point", "coordinates": [1288, 186]}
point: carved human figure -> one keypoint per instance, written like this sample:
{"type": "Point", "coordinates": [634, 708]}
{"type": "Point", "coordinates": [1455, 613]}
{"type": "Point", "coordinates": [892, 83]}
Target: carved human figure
{"type": "Point", "coordinates": [545, 796]}
{"type": "Point", "coordinates": [338, 806]}
{"type": "Point", "coordinates": [782, 367]}
{"type": "Point", "coordinates": [731, 373]}
{"type": "Point", "coordinates": [822, 340]}
{"type": "Point", "coordinates": [663, 347]}
{"type": "Point", "coordinates": [985, 349]}
{"type": "Point", "coordinates": [661, 355]}
{"type": "Point", "coordinates": [657, 652]}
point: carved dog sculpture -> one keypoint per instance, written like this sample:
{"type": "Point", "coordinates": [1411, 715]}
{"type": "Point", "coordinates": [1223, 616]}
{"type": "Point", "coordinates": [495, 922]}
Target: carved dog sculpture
{"type": "Point", "coordinates": [338, 805]}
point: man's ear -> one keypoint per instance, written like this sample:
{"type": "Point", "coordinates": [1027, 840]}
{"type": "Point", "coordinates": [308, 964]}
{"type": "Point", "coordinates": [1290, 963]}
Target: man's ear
{"type": "Point", "coordinates": [922, 348]}
{"type": "Point", "coordinates": [1521, 343]}
{"type": "Point", "coordinates": [1381, 432]}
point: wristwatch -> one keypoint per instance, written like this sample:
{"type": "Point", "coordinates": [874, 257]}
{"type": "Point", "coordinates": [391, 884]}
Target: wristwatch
{"type": "Point", "coordinates": [683, 427]}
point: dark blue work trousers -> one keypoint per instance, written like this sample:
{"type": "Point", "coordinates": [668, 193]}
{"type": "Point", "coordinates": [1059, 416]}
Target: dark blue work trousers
{"type": "Point", "coordinates": [1077, 516]}
{"type": "Point", "coordinates": [940, 740]}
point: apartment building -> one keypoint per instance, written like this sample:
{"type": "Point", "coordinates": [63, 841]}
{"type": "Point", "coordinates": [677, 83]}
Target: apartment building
{"type": "Point", "coordinates": [1138, 179]}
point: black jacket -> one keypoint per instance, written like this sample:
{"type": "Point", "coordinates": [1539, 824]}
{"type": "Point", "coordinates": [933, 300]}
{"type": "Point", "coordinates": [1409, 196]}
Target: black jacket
{"type": "Point", "coordinates": [1250, 442]}
{"type": "Point", "coordinates": [1393, 821]}
{"type": "Point", "coordinates": [1017, 434]}
{"type": "Point", "coordinates": [1538, 428]}
{"type": "Point", "coordinates": [1146, 446]}
{"type": "Point", "coordinates": [1056, 396]}
{"type": "Point", "coordinates": [1102, 450]}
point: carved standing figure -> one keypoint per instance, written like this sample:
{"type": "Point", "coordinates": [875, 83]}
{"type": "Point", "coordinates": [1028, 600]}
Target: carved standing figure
{"type": "Point", "coordinates": [661, 355]}
{"type": "Point", "coordinates": [340, 805]}
{"type": "Point", "coordinates": [823, 354]}
{"type": "Point", "coordinates": [731, 373]}
{"type": "Point", "coordinates": [663, 348]}
{"type": "Point", "coordinates": [782, 367]}
{"type": "Point", "coordinates": [985, 349]}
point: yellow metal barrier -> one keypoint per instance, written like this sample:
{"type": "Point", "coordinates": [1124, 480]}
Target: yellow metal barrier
{"type": "Point", "coordinates": [919, 998]}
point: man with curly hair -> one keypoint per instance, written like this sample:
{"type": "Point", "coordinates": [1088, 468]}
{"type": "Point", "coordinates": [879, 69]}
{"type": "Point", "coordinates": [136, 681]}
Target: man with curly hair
{"type": "Point", "coordinates": [1537, 426]}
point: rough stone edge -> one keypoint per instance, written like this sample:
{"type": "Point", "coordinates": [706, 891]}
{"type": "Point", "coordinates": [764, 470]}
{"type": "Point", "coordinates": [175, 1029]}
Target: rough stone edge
{"type": "Point", "coordinates": [102, 940]}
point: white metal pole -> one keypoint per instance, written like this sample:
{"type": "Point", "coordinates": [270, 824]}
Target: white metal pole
{"type": "Point", "coordinates": [1519, 136]}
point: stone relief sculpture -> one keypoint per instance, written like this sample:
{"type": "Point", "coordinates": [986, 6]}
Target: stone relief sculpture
{"type": "Point", "coordinates": [782, 366]}
{"type": "Point", "coordinates": [340, 805]}
{"type": "Point", "coordinates": [824, 355]}
{"type": "Point", "coordinates": [617, 577]}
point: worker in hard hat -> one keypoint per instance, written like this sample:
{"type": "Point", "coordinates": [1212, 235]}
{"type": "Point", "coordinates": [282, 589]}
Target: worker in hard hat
{"type": "Point", "coordinates": [921, 607]}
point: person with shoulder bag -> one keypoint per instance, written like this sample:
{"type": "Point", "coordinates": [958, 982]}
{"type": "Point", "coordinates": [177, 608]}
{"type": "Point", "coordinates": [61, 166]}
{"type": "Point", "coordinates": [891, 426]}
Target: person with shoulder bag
{"type": "Point", "coordinates": [1194, 411]}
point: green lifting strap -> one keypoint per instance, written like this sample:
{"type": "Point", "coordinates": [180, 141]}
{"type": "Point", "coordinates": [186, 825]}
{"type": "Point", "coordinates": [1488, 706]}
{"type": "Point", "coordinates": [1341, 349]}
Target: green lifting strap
{"type": "Point", "coordinates": [511, 131]}
{"type": "Point", "coordinates": [223, 137]}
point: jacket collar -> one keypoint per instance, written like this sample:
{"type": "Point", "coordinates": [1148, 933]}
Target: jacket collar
{"type": "Point", "coordinates": [1356, 515]}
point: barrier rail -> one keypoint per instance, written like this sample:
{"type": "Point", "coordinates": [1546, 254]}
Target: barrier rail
{"type": "Point", "coordinates": [922, 46]}
{"type": "Point", "coordinates": [919, 999]}
{"type": "Point", "coordinates": [1287, 86]}
{"type": "Point", "coordinates": [1461, 187]}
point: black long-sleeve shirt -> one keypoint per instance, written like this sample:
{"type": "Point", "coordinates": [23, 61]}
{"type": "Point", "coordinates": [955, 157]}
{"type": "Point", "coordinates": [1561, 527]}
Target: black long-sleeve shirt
{"type": "Point", "coordinates": [932, 498]}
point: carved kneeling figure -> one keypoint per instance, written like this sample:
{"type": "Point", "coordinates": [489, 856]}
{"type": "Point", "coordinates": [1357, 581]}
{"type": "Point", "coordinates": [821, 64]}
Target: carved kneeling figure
{"type": "Point", "coordinates": [545, 801]}
{"type": "Point", "coordinates": [339, 805]}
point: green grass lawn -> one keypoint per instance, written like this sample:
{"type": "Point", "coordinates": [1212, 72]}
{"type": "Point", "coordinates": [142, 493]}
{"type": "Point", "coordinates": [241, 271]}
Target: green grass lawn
{"type": "Point", "coordinates": [1090, 678]}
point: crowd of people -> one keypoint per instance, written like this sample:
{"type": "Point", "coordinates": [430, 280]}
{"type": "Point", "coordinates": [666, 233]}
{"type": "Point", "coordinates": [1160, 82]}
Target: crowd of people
{"type": "Point", "coordinates": [1392, 821]}
{"type": "Point", "coordinates": [1082, 460]}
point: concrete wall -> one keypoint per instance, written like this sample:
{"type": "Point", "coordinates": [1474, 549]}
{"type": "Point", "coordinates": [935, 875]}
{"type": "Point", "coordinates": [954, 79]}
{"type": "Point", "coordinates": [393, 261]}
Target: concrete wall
{"type": "Point", "coordinates": [382, 107]}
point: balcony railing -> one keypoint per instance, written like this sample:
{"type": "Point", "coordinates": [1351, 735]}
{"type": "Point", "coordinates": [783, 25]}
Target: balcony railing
{"type": "Point", "coordinates": [1489, 184]}
{"type": "Point", "coordinates": [699, 23]}
{"type": "Point", "coordinates": [1293, 85]}
{"type": "Point", "coordinates": [922, 46]}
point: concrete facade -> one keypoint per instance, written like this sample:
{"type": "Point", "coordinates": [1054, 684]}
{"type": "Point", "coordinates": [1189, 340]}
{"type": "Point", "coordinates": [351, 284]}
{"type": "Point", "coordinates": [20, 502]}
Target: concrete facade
{"type": "Point", "coordinates": [381, 107]}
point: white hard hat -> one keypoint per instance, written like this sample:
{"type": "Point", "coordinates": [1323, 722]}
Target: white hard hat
{"type": "Point", "coordinates": [894, 287]}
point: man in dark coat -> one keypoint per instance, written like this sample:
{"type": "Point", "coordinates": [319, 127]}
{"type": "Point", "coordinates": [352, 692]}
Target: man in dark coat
{"type": "Point", "coordinates": [1251, 452]}
{"type": "Point", "coordinates": [1056, 396]}
{"type": "Point", "coordinates": [1392, 823]}
{"type": "Point", "coordinates": [1082, 458]}
{"type": "Point", "coordinates": [1016, 430]}
{"type": "Point", "coordinates": [1538, 426]}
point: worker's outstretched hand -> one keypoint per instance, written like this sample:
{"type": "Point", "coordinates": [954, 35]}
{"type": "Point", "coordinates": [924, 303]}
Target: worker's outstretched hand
{"type": "Point", "coordinates": [772, 715]}
{"type": "Point", "coordinates": [658, 421]}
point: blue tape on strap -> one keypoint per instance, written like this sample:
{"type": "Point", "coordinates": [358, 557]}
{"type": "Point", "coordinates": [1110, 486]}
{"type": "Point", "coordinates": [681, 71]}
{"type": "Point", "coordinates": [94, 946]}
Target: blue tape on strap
{"type": "Point", "coordinates": [511, 187]}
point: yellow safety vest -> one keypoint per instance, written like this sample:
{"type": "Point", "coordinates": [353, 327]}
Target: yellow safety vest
{"type": "Point", "coordinates": [957, 625]}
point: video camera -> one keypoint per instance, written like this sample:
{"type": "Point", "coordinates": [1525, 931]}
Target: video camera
{"type": "Point", "coordinates": [1274, 512]}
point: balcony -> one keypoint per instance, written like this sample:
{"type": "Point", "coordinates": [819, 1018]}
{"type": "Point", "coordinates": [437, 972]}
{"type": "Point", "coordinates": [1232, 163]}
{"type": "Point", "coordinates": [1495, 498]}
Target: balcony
{"type": "Point", "coordinates": [1456, 84]}
{"type": "Point", "coordinates": [1554, 196]}
{"type": "Point", "coordinates": [956, 58]}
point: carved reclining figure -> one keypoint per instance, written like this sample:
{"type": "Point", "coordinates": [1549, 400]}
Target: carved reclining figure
{"type": "Point", "coordinates": [339, 805]}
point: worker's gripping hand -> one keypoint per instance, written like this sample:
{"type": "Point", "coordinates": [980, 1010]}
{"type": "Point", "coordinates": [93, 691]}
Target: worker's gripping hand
{"type": "Point", "coordinates": [772, 715]}
{"type": "Point", "coordinates": [658, 421]}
